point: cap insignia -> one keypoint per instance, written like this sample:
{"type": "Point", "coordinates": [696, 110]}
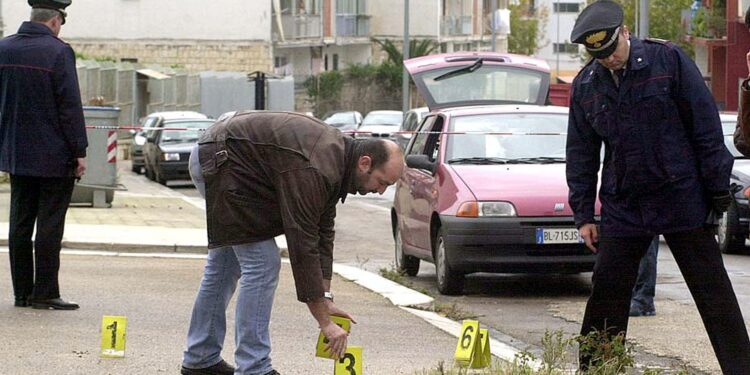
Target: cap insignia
{"type": "Point", "coordinates": [595, 38]}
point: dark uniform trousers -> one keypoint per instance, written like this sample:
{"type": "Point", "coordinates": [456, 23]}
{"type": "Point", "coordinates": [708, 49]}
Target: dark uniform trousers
{"type": "Point", "coordinates": [43, 200]}
{"type": "Point", "coordinates": [699, 259]}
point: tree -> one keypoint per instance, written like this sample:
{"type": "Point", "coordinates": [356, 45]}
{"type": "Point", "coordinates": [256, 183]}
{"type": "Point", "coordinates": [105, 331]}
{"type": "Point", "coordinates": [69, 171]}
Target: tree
{"type": "Point", "coordinates": [665, 20]}
{"type": "Point", "coordinates": [527, 26]}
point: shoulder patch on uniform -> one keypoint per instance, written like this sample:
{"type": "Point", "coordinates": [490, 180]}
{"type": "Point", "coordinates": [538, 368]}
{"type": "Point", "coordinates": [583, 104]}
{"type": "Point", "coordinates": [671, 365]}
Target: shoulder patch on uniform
{"type": "Point", "coordinates": [657, 40]}
{"type": "Point", "coordinates": [587, 67]}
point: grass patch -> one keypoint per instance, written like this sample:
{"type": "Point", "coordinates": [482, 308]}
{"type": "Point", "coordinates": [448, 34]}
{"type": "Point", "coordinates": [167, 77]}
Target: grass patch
{"type": "Point", "coordinates": [609, 355]}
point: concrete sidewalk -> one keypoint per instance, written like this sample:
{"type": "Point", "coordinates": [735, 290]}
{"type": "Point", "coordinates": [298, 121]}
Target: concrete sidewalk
{"type": "Point", "coordinates": [166, 231]}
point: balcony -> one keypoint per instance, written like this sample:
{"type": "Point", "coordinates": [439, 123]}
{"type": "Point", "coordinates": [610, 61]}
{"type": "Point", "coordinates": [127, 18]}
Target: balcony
{"type": "Point", "coordinates": [456, 25]}
{"type": "Point", "coordinates": [353, 25]}
{"type": "Point", "coordinates": [298, 27]}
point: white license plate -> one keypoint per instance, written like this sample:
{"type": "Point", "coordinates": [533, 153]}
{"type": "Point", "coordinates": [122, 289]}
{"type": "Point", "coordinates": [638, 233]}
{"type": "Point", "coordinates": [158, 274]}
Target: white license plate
{"type": "Point", "coordinates": [546, 236]}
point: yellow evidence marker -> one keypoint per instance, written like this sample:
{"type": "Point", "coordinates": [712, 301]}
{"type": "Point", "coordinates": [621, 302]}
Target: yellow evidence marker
{"type": "Point", "coordinates": [350, 363]}
{"type": "Point", "coordinates": [482, 356]}
{"type": "Point", "coordinates": [113, 336]}
{"type": "Point", "coordinates": [320, 349]}
{"type": "Point", "coordinates": [467, 341]}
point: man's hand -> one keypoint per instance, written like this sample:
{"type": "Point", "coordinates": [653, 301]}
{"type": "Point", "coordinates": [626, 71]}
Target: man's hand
{"type": "Point", "coordinates": [720, 202]}
{"type": "Point", "coordinates": [337, 339]}
{"type": "Point", "coordinates": [81, 167]}
{"type": "Point", "coordinates": [590, 235]}
{"type": "Point", "coordinates": [747, 59]}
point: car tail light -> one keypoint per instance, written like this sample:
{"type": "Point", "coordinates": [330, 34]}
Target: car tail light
{"type": "Point", "coordinates": [468, 209]}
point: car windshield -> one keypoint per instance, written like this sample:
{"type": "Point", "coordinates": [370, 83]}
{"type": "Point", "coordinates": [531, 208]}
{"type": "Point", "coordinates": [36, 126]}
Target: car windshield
{"type": "Point", "coordinates": [508, 138]}
{"type": "Point", "coordinates": [728, 130]}
{"type": "Point", "coordinates": [393, 119]}
{"type": "Point", "coordinates": [485, 83]}
{"type": "Point", "coordinates": [340, 118]}
{"type": "Point", "coordinates": [193, 132]}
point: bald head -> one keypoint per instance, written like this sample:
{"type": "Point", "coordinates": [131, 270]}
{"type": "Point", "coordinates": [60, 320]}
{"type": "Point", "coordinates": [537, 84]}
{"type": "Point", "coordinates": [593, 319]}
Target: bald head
{"type": "Point", "coordinates": [379, 165]}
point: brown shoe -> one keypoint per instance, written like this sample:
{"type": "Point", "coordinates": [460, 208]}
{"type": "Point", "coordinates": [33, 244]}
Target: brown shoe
{"type": "Point", "coordinates": [221, 368]}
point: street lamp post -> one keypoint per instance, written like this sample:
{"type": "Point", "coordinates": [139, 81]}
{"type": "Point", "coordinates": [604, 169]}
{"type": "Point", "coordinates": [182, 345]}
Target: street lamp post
{"type": "Point", "coordinates": [404, 73]}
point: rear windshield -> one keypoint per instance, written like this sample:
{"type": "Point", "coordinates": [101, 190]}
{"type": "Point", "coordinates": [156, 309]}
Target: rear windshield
{"type": "Point", "coordinates": [491, 83]}
{"type": "Point", "coordinates": [383, 119]}
{"type": "Point", "coordinates": [193, 131]}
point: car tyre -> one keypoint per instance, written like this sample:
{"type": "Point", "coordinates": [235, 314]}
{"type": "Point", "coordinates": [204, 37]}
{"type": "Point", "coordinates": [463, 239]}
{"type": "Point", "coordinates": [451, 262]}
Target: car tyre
{"type": "Point", "coordinates": [404, 263]}
{"type": "Point", "coordinates": [449, 281]}
{"type": "Point", "coordinates": [136, 169]}
{"type": "Point", "coordinates": [730, 235]}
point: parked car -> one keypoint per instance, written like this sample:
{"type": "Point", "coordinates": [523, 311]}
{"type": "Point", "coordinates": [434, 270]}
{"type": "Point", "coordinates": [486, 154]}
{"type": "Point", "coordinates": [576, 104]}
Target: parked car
{"type": "Point", "coordinates": [167, 151]}
{"type": "Point", "coordinates": [381, 124]}
{"type": "Point", "coordinates": [485, 189]}
{"type": "Point", "coordinates": [734, 225]}
{"type": "Point", "coordinates": [153, 120]}
{"type": "Point", "coordinates": [412, 119]}
{"type": "Point", "coordinates": [344, 120]}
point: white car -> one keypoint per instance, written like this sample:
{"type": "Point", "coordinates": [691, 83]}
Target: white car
{"type": "Point", "coordinates": [381, 124]}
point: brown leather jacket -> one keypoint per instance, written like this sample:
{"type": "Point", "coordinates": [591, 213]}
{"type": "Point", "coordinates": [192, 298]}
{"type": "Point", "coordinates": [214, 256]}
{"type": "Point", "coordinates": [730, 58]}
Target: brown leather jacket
{"type": "Point", "coordinates": [742, 131]}
{"type": "Point", "coordinates": [269, 173]}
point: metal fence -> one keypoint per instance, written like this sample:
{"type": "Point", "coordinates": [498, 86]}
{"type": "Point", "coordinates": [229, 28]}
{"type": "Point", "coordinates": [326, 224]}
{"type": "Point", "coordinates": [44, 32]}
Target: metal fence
{"type": "Point", "coordinates": [137, 90]}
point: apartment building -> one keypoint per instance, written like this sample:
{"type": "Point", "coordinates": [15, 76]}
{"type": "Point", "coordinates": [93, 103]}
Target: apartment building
{"type": "Point", "coordinates": [287, 37]}
{"type": "Point", "coordinates": [229, 35]}
{"type": "Point", "coordinates": [563, 57]}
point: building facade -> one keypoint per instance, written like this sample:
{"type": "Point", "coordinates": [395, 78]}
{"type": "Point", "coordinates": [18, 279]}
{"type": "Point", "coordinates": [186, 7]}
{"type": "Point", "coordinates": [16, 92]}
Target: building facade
{"type": "Point", "coordinates": [286, 37]}
{"type": "Point", "coordinates": [563, 56]}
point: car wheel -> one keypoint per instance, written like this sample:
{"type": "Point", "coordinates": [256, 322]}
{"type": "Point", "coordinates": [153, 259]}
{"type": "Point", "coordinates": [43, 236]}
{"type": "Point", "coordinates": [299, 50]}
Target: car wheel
{"type": "Point", "coordinates": [404, 263]}
{"type": "Point", "coordinates": [449, 281]}
{"type": "Point", "coordinates": [136, 169]}
{"type": "Point", "coordinates": [731, 237]}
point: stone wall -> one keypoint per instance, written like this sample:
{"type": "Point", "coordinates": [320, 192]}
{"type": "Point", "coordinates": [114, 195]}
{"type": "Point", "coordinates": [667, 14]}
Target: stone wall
{"type": "Point", "coordinates": [194, 56]}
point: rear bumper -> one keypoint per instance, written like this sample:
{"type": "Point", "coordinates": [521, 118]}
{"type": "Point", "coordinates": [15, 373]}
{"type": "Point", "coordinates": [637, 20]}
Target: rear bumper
{"type": "Point", "coordinates": [509, 245]}
{"type": "Point", "coordinates": [174, 170]}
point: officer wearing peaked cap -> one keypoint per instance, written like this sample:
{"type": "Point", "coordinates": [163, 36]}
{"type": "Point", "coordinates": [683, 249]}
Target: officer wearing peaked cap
{"type": "Point", "coordinates": [58, 5]}
{"type": "Point", "coordinates": [665, 172]}
{"type": "Point", "coordinates": [598, 28]}
{"type": "Point", "coordinates": [42, 146]}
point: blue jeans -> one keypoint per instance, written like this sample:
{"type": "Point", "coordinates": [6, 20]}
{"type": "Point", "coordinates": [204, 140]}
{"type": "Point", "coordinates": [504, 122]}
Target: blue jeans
{"type": "Point", "coordinates": [645, 286]}
{"type": "Point", "coordinates": [256, 266]}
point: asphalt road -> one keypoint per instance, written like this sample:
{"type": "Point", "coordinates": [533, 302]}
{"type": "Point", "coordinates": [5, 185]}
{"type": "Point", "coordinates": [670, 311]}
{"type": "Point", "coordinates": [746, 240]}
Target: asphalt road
{"type": "Point", "coordinates": [521, 308]}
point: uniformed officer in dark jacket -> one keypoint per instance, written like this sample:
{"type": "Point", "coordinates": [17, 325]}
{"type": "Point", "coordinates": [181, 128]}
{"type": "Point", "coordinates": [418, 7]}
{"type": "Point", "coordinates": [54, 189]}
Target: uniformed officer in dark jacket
{"type": "Point", "coordinates": [42, 147]}
{"type": "Point", "coordinates": [665, 171]}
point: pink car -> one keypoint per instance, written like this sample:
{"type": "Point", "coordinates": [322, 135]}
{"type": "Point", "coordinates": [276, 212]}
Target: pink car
{"type": "Point", "coordinates": [484, 189]}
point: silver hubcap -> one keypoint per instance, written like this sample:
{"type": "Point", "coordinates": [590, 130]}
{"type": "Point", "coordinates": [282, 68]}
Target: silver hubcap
{"type": "Point", "coordinates": [399, 250]}
{"type": "Point", "coordinates": [440, 269]}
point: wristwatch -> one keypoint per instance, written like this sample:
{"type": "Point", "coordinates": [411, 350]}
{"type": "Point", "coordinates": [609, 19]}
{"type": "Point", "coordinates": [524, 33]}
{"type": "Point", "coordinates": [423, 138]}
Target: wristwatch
{"type": "Point", "coordinates": [328, 295]}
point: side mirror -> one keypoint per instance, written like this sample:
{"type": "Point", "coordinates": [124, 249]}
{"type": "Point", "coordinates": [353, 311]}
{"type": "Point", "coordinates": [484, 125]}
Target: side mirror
{"type": "Point", "coordinates": [420, 162]}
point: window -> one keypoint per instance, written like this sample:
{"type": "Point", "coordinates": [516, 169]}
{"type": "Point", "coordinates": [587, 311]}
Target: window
{"type": "Point", "coordinates": [280, 61]}
{"type": "Point", "coordinates": [565, 47]}
{"type": "Point", "coordinates": [335, 61]}
{"type": "Point", "coordinates": [566, 7]}
{"type": "Point", "coordinates": [420, 139]}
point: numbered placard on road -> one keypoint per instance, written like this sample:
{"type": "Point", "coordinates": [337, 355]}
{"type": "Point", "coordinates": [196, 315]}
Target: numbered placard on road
{"type": "Point", "coordinates": [320, 349]}
{"type": "Point", "coordinates": [113, 336]}
{"type": "Point", "coordinates": [482, 356]}
{"type": "Point", "coordinates": [350, 363]}
{"type": "Point", "coordinates": [467, 341]}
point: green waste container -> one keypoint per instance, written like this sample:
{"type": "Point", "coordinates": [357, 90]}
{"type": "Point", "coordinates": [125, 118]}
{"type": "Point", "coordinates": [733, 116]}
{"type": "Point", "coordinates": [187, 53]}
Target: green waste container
{"type": "Point", "coordinates": [99, 183]}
